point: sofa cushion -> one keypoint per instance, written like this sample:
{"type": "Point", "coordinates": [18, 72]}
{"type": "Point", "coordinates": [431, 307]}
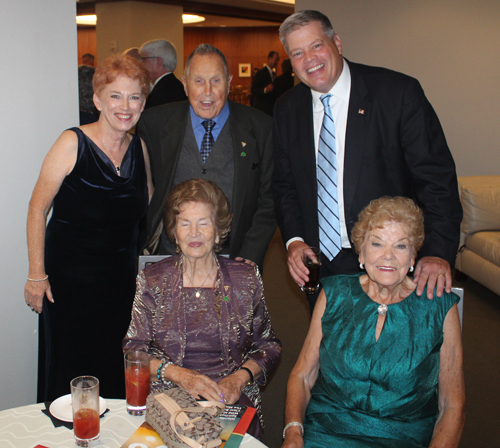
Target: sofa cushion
{"type": "Point", "coordinates": [486, 245]}
{"type": "Point", "coordinates": [480, 197]}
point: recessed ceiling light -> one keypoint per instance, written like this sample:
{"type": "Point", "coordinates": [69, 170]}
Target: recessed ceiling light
{"type": "Point", "coordinates": [191, 18]}
{"type": "Point", "coordinates": [86, 20]}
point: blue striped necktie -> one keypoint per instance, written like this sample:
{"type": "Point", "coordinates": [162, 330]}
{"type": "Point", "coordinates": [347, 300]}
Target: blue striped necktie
{"type": "Point", "coordinates": [208, 139]}
{"type": "Point", "coordinates": [328, 207]}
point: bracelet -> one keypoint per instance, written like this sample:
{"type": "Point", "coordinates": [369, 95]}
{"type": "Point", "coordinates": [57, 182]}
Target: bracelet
{"type": "Point", "coordinates": [158, 372]}
{"type": "Point", "coordinates": [38, 279]}
{"type": "Point", "coordinates": [162, 373]}
{"type": "Point", "coordinates": [250, 373]}
{"type": "Point", "coordinates": [293, 424]}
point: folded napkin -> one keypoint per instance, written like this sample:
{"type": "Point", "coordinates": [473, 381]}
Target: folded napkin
{"type": "Point", "coordinates": [56, 422]}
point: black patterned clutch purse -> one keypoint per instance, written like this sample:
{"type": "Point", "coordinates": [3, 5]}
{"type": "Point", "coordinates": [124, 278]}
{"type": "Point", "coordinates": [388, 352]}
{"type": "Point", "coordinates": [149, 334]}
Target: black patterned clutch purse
{"type": "Point", "coordinates": [181, 421]}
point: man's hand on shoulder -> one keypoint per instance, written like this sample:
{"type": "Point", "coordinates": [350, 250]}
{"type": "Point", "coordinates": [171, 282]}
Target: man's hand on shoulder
{"type": "Point", "coordinates": [297, 268]}
{"type": "Point", "coordinates": [246, 260]}
{"type": "Point", "coordinates": [434, 271]}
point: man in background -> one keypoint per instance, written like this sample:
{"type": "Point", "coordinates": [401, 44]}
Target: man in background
{"type": "Point", "coordinates": [160, 58]}
{"type": "Point", "coordinates": [285, 81]}
{"type": "Point", "coordinates": [263, 85]}
{"type": "Point", "coordinates": [88, 59]}
{"type": "Point", "coordinates": [133, 52]}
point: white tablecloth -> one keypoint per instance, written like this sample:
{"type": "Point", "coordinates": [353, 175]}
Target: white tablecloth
{"type": "Point", "coordinates": [28, 426]}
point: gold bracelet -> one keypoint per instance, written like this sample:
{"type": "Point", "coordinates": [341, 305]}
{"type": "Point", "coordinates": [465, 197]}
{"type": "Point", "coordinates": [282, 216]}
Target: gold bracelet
{"type": "Point", "coordinates": [39, 279]}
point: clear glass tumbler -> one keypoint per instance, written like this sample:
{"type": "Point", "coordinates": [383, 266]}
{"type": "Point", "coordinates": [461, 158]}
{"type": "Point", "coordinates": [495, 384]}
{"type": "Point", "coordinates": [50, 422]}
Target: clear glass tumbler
{"type": "Point", "coordinates": [85, 402]}
{"type": "Point", "coordinates": [137, 381]}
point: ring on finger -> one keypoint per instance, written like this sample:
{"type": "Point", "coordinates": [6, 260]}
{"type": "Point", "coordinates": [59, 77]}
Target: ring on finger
{"type": "Point", "coordinates": [444, 275]}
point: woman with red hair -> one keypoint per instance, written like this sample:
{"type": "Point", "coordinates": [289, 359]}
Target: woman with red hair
{"type": "Point", "coordinates": [82, 265]}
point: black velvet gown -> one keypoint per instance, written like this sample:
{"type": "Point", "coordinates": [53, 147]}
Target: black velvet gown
{"type": "Point", "coordinates": [90, 256]}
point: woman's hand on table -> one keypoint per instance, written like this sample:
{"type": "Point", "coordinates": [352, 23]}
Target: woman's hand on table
{"type": "Point", "coordinates": [34, 292]}
{"type": "Point", "coordinates": [198, 385]}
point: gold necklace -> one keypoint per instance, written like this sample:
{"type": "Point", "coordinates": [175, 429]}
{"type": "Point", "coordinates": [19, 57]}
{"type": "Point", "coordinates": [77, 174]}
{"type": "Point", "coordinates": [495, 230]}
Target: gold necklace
{"type": "Point", "coordinates": [117, 167]}
{"type": "Point", "coordinates": [198, 293]}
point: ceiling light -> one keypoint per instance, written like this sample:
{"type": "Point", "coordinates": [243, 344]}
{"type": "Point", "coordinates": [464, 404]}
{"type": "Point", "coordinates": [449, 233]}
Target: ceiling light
{"type": "Point", "coordinates": [191, 18]}
{"type": "Point", "coordinates": [86, 20]}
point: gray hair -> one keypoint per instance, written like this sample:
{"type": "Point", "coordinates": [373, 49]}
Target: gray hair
{"type": "Point", "coordinates": [163, 49]}
{"type": "Point", "coordinates": [303, 18]}
{"type": "Point", "coordinates": [206, 50]}
{"type": "Point", "coordinates": [133, 52]}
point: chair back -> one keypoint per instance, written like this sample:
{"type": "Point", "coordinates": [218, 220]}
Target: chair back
{"type": "Point", "coordinates": [460, 293]}
{"type": "Point", "coordinates": [146, 260]}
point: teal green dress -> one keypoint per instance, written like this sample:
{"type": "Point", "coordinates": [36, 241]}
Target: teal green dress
{"type": "Point", "coordinates": [376, 394]}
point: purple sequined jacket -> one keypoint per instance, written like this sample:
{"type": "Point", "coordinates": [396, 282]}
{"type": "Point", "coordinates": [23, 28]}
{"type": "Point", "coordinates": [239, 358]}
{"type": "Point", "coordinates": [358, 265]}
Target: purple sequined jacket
{"type": "Point", "coordinates": [158, 318]}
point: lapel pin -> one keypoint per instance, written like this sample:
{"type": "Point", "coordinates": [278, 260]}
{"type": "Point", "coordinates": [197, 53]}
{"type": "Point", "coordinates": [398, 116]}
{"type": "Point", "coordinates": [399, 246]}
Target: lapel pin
{"type": "Point", "coordinates": [361, 111]}
{"type": "Point", "coordinates": [243, 154]}
{"type": "Point", "coordinates": [243, 144]}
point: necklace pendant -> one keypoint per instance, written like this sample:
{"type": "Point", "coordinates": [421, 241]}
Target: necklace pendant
{"type": "Point", "coordinates": [382, 309]}
{"type": "Point", "coordinates": [197, 295]}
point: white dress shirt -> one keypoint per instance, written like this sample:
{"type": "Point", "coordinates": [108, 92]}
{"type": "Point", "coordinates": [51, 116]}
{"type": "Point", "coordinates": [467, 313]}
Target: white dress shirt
{"type": "Point", "coordinates": [339, 105]}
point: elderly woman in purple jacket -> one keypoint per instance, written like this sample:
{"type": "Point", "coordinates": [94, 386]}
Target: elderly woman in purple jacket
{"type": "Point", "coordinates": [202, 317]}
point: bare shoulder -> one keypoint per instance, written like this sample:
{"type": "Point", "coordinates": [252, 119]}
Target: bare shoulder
{"type": "Point", "coordinates": [68, 138]}
{"type": "Point", "coordinates": [67, 142]}
{"type": "Point", "coordinates": [62, 155]}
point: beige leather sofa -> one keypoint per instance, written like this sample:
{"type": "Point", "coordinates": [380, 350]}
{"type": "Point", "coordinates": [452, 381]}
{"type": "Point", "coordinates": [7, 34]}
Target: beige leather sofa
{"type": "Point", "coordinates": [479, 254]}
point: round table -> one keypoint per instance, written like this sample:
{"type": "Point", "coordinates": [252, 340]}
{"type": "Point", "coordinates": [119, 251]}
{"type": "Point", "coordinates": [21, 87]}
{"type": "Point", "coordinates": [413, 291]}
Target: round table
{"type": "Point", "coordinates": [28, 426]}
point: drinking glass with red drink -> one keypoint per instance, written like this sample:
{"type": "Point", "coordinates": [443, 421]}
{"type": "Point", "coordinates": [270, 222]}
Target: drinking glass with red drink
{"type": "Point", "coordinates": [137, 381]}
{"type": "Point", "coordinates": [311, 259]}
{"type": "Point", "coordinates": [85, 402]}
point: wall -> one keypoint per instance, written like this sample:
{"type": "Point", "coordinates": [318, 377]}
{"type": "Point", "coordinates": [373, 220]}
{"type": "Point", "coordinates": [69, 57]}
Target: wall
{"type": "Point", "coordinates": [130, 24]}
{"type": "Point", "coordinates": [450, 46]}
{"type": "Point", "coordinates": [39, 101]}
{"type": "Point", "coordinates": [87, 42]}
{"type": "Point", "coordinates": [239, 45]}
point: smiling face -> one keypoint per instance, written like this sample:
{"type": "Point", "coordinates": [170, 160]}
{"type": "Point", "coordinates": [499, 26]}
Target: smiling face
{"type": "Point", "coordinates": [194, 230]}
{"type": "Point", "coordinates": [387, 254]}
{"type": "Point", "coordinates": [120, 103]}
{"type": "Point", "coordinates": [316, 59]}
{"type": "Point", "coordinates": [207, 85]}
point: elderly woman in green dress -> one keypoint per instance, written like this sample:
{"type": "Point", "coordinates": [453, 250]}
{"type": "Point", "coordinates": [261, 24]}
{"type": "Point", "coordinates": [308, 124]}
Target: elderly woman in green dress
{"type": "Point", "coordinates": [381, 366]}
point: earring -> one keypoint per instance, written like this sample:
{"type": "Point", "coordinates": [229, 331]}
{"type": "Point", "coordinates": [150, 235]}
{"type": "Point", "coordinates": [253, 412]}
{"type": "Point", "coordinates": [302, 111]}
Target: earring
{"type": "Point", "coordinates": [177, 249]}
{"type": "Point", "coordinates": [361, 266]}
{"type": "Point", "coordinates": [411, 268]}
